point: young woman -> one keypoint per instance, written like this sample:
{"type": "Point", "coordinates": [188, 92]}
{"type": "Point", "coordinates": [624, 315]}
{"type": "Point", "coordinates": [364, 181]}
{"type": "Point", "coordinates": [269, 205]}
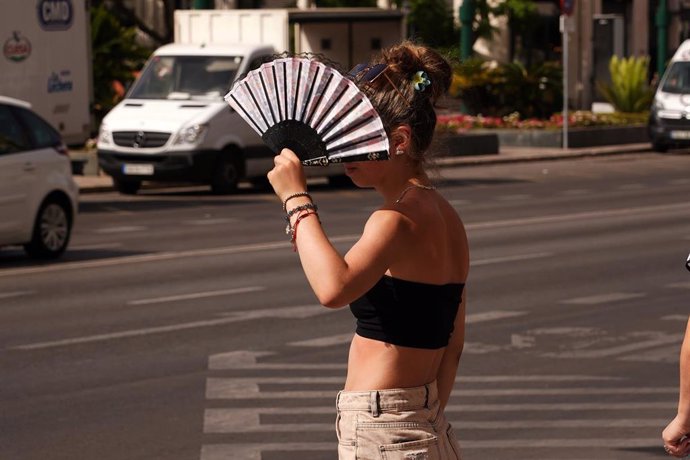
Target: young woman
{"type": "Point", "coordinates": [403, 279]}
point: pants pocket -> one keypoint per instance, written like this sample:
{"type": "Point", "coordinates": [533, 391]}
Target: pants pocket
{"type": "Point", "coordinates": [424, 449]}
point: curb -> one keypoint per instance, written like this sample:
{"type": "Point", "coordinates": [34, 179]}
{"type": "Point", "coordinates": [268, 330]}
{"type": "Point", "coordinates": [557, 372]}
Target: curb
{"type": "Point", "coordinates": [477, 160]}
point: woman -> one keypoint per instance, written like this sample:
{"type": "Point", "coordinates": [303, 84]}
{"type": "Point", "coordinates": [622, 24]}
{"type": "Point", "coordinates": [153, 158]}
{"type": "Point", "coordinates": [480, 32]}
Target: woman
{"type": "Point", "coordinates": [676, 435]}
{"type": "Point", "coordinates": [403, 279]}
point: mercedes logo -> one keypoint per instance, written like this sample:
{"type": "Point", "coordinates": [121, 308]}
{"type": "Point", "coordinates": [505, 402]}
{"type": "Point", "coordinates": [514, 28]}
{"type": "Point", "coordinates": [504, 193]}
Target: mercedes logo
{"type": "Point", "coordinates": [139, 139]}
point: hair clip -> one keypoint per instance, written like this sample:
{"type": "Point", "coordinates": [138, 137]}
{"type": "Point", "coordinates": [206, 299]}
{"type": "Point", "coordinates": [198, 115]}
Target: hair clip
{"type": "Point", "coordinates": [420, 80]}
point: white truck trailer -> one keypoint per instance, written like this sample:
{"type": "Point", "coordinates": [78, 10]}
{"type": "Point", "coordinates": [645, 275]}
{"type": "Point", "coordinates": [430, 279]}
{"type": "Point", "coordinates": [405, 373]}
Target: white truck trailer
{"type": "Point", "coordinates": [174, 125]}
{"type": "Point", "coordinates": [46, 49]}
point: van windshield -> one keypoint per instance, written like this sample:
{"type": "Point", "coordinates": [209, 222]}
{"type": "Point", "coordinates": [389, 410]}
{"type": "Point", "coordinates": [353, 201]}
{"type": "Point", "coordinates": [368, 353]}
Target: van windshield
{"type": "Point", "coordinates": [677, 80]}
{"type": "Point", "coordinates": [186, 77]}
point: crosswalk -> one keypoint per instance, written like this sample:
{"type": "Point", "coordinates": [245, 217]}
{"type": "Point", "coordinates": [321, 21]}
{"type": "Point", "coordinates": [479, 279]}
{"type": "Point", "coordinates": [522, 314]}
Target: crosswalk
{"type": "Point", "coordinates": [261, 405]}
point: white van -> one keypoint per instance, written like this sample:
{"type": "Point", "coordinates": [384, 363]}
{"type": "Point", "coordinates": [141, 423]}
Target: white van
{"type": "Point", "coordinates": [669, 120]}
{"type": "Point", "coordinates": [174, 125]}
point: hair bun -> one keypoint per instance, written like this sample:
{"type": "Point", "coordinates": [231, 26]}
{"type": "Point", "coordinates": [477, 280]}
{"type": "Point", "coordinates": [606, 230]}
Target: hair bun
{"type": "Point", "coordinates": [407, 59]}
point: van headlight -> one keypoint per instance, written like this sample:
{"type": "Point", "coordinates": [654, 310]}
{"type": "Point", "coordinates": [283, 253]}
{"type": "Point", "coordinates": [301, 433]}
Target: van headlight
{"type": "Point", "coordinates": [105, 136]}
{"type": "Point", "coordinates": [191, 134]}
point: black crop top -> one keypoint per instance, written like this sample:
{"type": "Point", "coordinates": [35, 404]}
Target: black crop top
{"type": "Point", "coordinates": [408, 313]}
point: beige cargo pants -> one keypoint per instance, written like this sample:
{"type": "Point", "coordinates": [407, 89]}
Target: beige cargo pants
{"type": "Point", "coordinates": [396, 424]}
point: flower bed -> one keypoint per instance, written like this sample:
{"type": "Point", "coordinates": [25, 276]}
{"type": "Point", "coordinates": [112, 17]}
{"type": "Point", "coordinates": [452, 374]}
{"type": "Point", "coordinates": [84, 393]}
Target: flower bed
{"type": "Point", "coordinates": [458, 123]}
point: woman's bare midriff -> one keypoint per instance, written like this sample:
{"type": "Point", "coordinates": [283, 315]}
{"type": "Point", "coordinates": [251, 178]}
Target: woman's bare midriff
{"type": "Point", "coordinates": [375, 365]}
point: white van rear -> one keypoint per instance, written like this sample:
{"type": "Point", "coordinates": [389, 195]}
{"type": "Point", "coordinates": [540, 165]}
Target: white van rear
{"type": "Point", "coordinates": [669, 120]}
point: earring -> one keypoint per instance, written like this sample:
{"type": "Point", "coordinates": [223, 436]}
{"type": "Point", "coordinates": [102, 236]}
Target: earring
{"type": "Point", "coordinates": [399, 151]}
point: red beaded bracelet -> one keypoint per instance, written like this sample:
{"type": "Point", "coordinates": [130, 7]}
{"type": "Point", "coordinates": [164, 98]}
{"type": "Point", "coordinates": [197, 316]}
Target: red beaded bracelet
{"type": "Point", "coordinates": [293, 240]}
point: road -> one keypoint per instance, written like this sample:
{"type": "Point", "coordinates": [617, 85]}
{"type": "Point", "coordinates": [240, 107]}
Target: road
{"type": "Point", "coordinates": [179, 325]}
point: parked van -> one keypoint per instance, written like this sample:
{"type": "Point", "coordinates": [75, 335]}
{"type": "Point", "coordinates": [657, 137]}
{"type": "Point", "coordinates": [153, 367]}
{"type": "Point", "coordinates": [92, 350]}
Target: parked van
{"type": "Point", "coordinates": [174, 125]}
{"type": "Point", "coordinates": [669, 120]}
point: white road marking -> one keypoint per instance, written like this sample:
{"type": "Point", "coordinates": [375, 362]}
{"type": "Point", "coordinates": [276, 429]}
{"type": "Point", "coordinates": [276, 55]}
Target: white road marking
{"type": "Point", "coordinates": [225, 250]}
{"type": "Point", "coordinates": [340, 339]}
{"type": "Point", "coordinates": [603, 298]}
{"type": "Point", "coordinates": [505, 259]}
{"type": "Point", "coordinates": [575, 192]}
{"type": "Point", "coordinates": [230, 388]}
{"type": "Point", "coordinates": [196, 295]}
{"type": "Point", "coordinates": [669, 354]}
{"type": "Point", "coordinates": [10, 295]}
{"type": "Point", "coordinates": [253, 451]}
{"type": "Point", "coordinates": [282, 312]}
{"type": "Point", "coordinates": [248, 421]}
{"type": "Point", "coordinates": [320, 379]}
{"type": "Point", "coordinates": [681, 285]}
{"type": "Point", "coordinates": [675, 318]}
{"type": "Point", "coordinates": [515, 197]}
{"type": "Point", "coordinates": [626, 187]}
{"type": "Point", "coordinates": [91, 247]}
{"type": "Point", "coordinates": [121, 229]}
{"type": "Point", "coordinates": [459, 202]}
{"type": "Point", "coordinates": [613, 351]}
{"type": "Point", "coordinates": [216, 221]}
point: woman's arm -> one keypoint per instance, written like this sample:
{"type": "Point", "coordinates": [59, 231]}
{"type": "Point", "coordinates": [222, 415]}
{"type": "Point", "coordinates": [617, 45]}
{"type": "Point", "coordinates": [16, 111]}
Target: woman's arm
{"type": "Point", "coordinates": [679, 428]}
{"type": "Point", "coordinates": [451, 356]}
{"type": "Point", "coordinates": [337, 280]}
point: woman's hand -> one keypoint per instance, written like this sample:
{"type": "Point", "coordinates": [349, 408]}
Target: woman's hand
{"type": "Point", "coordinates": [287, 176]}
{"type": "Point", "coordinates": [676, 440]}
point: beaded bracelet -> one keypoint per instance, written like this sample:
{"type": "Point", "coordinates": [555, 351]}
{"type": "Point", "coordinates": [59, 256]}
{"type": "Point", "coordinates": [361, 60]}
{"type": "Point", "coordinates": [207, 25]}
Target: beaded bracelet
{"type": "Point", "coordinates": [295, 210]}
{"type": "Point", "coordinates": [295, 195]}
{"type": "Point", "coordinates": [302, 207]}
{"type": "Point", "coordinates": [293, 239]}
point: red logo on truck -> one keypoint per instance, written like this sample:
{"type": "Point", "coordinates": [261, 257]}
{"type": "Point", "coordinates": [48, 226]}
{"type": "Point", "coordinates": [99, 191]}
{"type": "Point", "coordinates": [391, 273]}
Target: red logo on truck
{"type": "Point", "coordinates": [17, 48]}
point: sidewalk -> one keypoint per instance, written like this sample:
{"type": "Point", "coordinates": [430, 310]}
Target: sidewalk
{"type": "Point", "coordinates": [95, 184]}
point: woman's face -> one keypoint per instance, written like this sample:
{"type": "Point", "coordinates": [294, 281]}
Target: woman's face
{"type": "Point", "coordinates": [366, 174]}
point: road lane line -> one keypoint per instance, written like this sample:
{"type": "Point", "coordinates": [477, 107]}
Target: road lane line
{"type": "Point", "coordinates": [253, 451]}
{"type": "Point", "coordinates": [320, 379]}
{"type": "Point", "coordinates": [10, 295]}
{"type": "Point", "coordinates": [230, 388]}
{"type": "Point", "coordinates": [681, 285]}
{"type": "Point", "coordinates": [121, 229]}
{"type": "Point", "coordinates": [340, 339]}
{"type": "Point", "coordinates": [304, 311]}
{"type": "Point", "coordinates": [668, 354]}
{"type": "Point", "coordinates": [613, 351]}
{"type": "Point", "coordinates": [196, 295]}
{"type": "Point", "coordinates": [91, 247]}
{"type": "Point", "coordinates": [225, 250]}
{"type": "Point", "coordinates": [603, 298]}
{"type": "Point", "coordinates": [504, 259]}
{"type": "Point", "coordinates": [248, 421]}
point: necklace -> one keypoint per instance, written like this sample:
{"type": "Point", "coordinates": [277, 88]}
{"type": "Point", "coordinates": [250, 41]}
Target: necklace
{"type": "Point", "coordinates": [407, 189]}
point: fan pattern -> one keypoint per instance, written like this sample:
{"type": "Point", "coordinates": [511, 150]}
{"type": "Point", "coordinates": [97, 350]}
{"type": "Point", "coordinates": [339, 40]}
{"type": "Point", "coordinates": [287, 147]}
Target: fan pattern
{"type": "Point", "coordinates": [312, 109]}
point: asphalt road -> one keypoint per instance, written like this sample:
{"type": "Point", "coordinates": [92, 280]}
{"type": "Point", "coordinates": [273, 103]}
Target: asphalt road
{"type": "Point", "coordinates": [179, 325]}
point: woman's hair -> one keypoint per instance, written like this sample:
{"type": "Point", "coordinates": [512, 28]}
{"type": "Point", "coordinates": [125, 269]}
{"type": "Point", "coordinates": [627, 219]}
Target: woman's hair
{"type": "Point", "coordinates": [403, 104]}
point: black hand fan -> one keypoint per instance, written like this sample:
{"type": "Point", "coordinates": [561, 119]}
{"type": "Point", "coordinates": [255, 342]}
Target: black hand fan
{"type": "Point", "coordinates": [311, 109]}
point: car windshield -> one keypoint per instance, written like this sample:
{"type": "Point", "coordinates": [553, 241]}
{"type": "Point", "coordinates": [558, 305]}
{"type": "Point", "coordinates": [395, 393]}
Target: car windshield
{"type": "Point", "coordinates": [186, 77]}
{"type": "Point", "coordinates": [678, 79]}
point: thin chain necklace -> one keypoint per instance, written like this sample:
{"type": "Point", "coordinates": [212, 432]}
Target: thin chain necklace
{"type": "Point", "coordinates": [407, 189]}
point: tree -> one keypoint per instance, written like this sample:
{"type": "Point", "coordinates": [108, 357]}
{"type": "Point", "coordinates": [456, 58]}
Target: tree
{"type": "Point", "coordinates": [116, 57]}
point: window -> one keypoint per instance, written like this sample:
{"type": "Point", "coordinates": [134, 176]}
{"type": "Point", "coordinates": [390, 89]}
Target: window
{"type": "Point", "coordinates": [42, 134]}
{"type": "Point", "coordinates": [12, 136]}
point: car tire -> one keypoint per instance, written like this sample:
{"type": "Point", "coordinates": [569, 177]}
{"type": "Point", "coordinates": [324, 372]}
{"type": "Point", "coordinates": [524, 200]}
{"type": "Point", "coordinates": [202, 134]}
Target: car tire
{"type": "Point", "coordinates": [127, 187]}
{"type": "Point", "coordinates": [659, 147]}
{"type": "Point", "coordinates": [228, 172]}
{"type": "Point", "coordinates": [52, 230]}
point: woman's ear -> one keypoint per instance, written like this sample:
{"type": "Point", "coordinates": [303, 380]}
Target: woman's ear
{"type": "Point", "coordinates": [401, 138]}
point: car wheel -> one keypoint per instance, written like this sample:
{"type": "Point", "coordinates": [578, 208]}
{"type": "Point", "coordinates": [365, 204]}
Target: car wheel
{"type": "Point", "coordinates": [127, 187]}
{"type": "Point", "coordinates": [228, 172]}
{"type": "Point", "coordinates": [52, 230]}
{"type": "Point", "coordinates": [659, 147]}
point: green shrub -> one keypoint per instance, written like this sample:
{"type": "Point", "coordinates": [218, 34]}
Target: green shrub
{"type": "Point", "coordinates": [629, 90]}
{"type": "Point", "coordinates": [500, 89]}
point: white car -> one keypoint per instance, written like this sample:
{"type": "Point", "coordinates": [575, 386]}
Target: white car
{"type": "Point", "coordinates": [38, 196]}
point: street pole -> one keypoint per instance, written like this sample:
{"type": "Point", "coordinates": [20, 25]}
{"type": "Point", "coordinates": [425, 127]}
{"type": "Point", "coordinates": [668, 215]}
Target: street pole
{"type": "Point", "coordinates": [564, 31]}
{"type": "Point", "coordinates": [661, 37]}
{"type": "Point", "coordinates": [466, 19]}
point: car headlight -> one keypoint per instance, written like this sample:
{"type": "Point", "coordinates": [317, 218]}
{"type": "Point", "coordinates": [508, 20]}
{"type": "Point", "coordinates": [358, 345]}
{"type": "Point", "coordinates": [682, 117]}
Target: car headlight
{"type": "Point", "coordinates": [191, 134]}
{"type": "Point", "coordinates": [104, 135]}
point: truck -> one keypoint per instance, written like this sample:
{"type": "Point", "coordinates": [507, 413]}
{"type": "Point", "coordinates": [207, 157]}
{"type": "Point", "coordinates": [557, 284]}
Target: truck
{"type": "Point", "coordinates": [46, 62]}
{"type": "Point", "coordinates": [174, 125]}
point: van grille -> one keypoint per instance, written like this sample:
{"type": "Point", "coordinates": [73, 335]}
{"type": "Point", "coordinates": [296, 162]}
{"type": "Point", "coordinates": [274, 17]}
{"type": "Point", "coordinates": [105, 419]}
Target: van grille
{"type": "Point", "coordinates": [140, 139]}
